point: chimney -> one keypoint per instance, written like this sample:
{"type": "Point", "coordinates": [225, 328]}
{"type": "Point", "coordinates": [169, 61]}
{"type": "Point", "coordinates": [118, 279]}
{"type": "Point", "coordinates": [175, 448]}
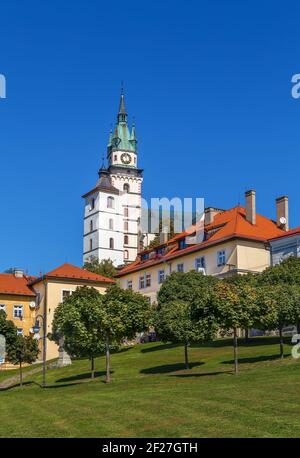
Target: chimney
{"type": "Point", "coordinates": [163, 236]}
{"type": "Point", "coordinates": [210, 213]}
{"type": "Point", "coordinates": [18, 273]}
{"type": "Point", "coordinates": [282, 212]}
{"type": "Point", "coordinates": [250, 206]}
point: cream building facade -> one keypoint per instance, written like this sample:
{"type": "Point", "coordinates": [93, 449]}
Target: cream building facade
{"type": "Point", "coordinates": [52, 288]}
{"type": "Point", "coordinates": [235, 241]}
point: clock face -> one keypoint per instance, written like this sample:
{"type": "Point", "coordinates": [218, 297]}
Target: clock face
{"type": "Point", "coordinates": [125, 158]}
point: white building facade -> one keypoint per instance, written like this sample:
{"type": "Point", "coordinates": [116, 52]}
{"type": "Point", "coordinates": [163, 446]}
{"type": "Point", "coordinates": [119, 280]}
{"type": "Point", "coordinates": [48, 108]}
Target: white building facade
{"type": "Point", "coordinates": [112, 212]}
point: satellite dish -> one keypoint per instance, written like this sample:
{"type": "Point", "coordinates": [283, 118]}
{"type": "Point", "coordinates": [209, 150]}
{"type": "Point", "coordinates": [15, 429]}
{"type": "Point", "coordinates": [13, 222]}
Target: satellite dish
{"type": "Point", "coordinates": [282, 220]}
{"type": "Point", "coordinates": [32, 305]}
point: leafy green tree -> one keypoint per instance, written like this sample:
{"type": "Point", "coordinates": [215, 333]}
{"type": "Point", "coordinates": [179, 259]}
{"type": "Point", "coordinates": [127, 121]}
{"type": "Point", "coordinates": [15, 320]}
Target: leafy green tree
{"type": "Point", "coordinates": [277, 308]}
{"type": "Point", "coordinates": [173, 322]}
{"type": "Point", "coordinates": [126, 314]}
{"type": "Point", "coordinates": [250, 279]}
{"type": "Point", "coordinates": [236, 307]}
{"type": "Point", "coordinates": [79, 319]}
{"type": "Point", "coordinates": [7, 329]}
{"type": "Point", "coordinates": [24, 350]}
{"type": "Point", "coordinates": [287, 273]}
{"type": "Point", "coordinates": [104, 267]}
{"type": "Point", "coordinates": [185, 286]}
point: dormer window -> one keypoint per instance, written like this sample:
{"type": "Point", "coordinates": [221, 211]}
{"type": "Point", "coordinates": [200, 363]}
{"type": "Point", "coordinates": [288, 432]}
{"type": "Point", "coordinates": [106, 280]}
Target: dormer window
{"type": "Point", "coordinates": [182, 244]}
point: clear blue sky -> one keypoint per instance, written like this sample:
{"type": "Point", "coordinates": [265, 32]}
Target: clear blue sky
{"type": "Point", "coordinates": [207, 82]}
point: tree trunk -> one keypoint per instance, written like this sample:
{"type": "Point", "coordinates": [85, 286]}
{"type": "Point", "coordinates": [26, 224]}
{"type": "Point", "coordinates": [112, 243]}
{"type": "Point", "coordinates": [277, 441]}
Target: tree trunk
{"type": "Point", "coordinates": [92, 367]}
{"type": "Point", "coordinates": [21, 374]}
{"type": "Point", "coordinates": [235, 351]}
{"type": "Point", "coordinates": [246, 334]}
{"type": "Point", "coordinates": [107, 361]}
{"type": "Point", "coordinates": [186, 356]}
{"type": "Point", "coordinates": [281, 343]}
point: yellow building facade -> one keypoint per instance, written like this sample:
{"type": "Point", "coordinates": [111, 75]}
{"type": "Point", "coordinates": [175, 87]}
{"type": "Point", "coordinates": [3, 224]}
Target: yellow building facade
{"type": "Point", "coordinates": [26, 300]}
{"type": "Point", "coordinates": [54, 287]}
{"type": "Point", "coordinates": [234, 241]}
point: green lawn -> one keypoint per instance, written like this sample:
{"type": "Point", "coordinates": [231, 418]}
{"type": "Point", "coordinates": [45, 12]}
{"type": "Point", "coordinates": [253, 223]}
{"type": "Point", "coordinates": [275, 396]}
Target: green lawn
{"type": "Point", "coordinates": [152, 395]}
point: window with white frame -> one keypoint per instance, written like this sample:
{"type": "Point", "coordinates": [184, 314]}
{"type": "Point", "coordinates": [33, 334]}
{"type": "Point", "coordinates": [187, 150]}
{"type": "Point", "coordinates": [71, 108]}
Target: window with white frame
{"type": "Point", "coordinates": [221, 258]}
{"type": "Point", "coordinates": [129, 284]}
{"type": "Point", "coordinates": [180, 267]}
{"type": "Point", "coordinates": [142, 282]}
{"type": "Point", "coordinates": [126, 254]}
{"type": "Point", "coordinates": [2, 307]}
{"type": "Point", "coordinates": [148, 280]}
{"type": "Point", "coordinates": [20, 331]}
{"type": "Point", "coordinates": [18, 311]}
{"type": "Point", "coordinates": [200, 263]}
{"type": "Point", "coordinates": [110, 202]}
{"type": "Point", "coordinates": [66, 293]}
{"type": "Point", "coordinates": [161, 276]}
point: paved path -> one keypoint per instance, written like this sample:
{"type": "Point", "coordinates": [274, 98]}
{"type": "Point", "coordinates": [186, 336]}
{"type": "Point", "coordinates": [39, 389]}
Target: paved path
{"type": "Point", "coordinates": [15, 379]}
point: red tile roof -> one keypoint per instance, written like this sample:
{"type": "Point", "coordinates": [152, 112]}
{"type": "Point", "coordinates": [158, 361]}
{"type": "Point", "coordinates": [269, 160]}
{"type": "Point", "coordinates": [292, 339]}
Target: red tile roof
{"type": "Point", "coordinates": [70, 272]}
{"type": "Point", "coordinates": [9, 284]}
{"type": "Point", "coordinates": [289, 233]}
{"type": "Point", "coordinates": [226, 225]}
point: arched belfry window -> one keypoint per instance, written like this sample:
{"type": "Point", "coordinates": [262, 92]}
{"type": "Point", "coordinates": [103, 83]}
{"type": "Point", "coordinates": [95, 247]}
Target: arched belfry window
{"type": "Point", "coordinates": [126, 254]}
{"type": "Point", "coordinates": [111, 224]}
{"type": "Point", "coordinates": [110, 202]}
{"type": "Point", "coordinates": [126, 187]}
{"type": "Point", "coordinates": [111, 243]}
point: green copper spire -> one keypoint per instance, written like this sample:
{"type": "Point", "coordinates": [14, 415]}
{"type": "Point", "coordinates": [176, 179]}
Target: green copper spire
{"type": "Point", "coordinates": [122, 115]}
{"type": "Point", "coordinates": [122, 139]}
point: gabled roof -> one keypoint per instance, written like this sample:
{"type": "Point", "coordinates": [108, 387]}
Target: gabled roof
{"type": "Point", "coordinates": [226, 225]}
{"type": "Point", "coordinates": [70, 272]}
{"type": "Point", "coordinates": [289, 233]}
{"type": "Point", "coordinates": [10, 284]}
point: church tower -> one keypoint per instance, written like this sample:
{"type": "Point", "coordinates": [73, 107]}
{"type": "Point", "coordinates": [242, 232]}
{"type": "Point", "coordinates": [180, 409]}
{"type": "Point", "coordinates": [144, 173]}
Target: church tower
{"type": "Point", "coordinates": [113, 208]}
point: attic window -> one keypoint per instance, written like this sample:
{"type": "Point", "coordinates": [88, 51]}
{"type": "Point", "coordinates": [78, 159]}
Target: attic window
{"type": "Point", "coordinates": [182, 244]}
{"type": "Point", "coordinates": [145, 257]}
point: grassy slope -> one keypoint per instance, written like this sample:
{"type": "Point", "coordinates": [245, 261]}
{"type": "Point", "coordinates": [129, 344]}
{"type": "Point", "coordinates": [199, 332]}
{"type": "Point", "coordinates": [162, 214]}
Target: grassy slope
{"type": "Point", "coordinates": [152, 395]}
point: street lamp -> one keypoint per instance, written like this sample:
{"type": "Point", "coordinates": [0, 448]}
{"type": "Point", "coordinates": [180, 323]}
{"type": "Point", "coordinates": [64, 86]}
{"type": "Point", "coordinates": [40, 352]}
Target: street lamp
{"type": "Point", "coordinates": [36, 329]}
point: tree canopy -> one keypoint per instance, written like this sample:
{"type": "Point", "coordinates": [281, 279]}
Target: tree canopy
{"type": "Point", "coordinates": [79, 319]}
{"type": "Point", "coordinates": [104, 267]}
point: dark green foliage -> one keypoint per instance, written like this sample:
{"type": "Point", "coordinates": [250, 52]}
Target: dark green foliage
{"type": "Point", "coordinates": [7, 329]}
{"type": "Point", "coordinates": [278, 307]}
{"type": "Point", "coordinates": [288, 271]}
{"type": "Point", "coordinates": [79, 319]}
{"type": "Point", "coordinates": [105, 267]}
{"type": "Point", "coordinates": [185, 286]}
{"type": "Point", "coordinates": [24, 350]}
